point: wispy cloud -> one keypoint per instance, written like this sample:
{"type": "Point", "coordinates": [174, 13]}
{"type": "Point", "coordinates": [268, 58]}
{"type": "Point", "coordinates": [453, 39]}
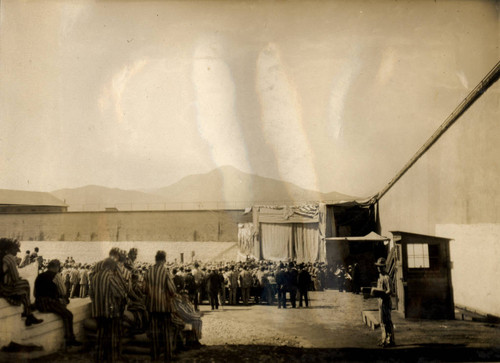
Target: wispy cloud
{"type": "Point", "coordinates": [281, 118]}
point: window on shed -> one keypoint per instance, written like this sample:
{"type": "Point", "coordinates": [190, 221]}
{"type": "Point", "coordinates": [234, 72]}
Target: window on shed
{"type": "Point", "coordinates": [418, 255]}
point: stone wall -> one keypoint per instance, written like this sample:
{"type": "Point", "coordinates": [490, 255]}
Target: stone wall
{"type": "Point", "coordinates": [217, 225]}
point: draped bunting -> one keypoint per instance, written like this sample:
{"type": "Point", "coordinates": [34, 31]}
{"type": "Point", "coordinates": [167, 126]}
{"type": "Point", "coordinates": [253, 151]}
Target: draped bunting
{"type": "Point", "coordinates": [287, 214]}
{"type": "Point", "coordinates": [300, 232]}
{"type": "Point", "coordinates": [247, 240]}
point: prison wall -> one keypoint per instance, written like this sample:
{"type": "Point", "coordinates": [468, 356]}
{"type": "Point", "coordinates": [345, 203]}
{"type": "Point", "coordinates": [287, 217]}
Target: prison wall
{"type": "Point", "coordinates": [197, 225]}
{"type": "Point", "coordinates": [453, 191]}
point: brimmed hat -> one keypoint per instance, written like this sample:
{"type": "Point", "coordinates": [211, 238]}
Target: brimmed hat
{"type": "Point", "coordinates": [380, 262]}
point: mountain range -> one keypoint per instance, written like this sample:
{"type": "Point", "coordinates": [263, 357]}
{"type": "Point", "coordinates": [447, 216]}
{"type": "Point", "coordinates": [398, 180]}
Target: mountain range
{"type": "Point", "coordinates": [224, 187]}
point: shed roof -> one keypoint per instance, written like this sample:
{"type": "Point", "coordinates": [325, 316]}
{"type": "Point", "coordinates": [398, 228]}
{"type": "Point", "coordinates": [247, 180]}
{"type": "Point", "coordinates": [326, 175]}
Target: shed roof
{"type": "Point", "coordinates": [22, 197]}
{"type": "Point", "coordinates": [370, 237]}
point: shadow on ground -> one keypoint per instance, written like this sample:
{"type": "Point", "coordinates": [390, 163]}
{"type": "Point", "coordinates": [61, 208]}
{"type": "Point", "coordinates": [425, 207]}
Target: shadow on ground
{"type": "Point", "coordinates": [264, 353]}
{"type": "Point", "coordinates": [259, 353]}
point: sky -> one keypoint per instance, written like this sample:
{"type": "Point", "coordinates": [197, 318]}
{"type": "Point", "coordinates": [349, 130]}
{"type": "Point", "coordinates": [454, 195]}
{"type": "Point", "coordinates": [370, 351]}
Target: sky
{"type": "Point", "coordinates": [328, 95]}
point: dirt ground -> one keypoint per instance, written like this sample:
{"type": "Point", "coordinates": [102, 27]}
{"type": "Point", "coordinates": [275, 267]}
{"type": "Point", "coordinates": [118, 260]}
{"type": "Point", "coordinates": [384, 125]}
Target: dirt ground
{"type": "Point", "coordinates": [331, 329]}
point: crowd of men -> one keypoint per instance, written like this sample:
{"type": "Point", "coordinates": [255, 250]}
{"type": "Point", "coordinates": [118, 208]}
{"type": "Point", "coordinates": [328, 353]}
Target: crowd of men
{"type": "Point", "coordinates": [232, 283]}
{"type": "Point", "coordinates": [131, 297]}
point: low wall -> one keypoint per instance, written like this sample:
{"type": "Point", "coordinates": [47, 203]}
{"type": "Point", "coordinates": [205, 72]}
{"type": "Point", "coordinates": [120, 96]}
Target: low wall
{"type": "Point", "coordinates": [49, 334]}
{"type": "Point", "coordinates": [217, 225]}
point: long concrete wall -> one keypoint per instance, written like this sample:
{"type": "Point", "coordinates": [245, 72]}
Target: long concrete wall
{"type": "Point", "coordinates": [219, 225]}
{"type": "Point", "coordinates": [454, 191]}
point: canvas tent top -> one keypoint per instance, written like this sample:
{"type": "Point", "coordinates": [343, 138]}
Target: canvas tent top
{"type": "Point", "coordinates": [303, 206]}
{"type": "Point", "coordinates": [370, 237]}
{"type": "Point", "coordinates": [299, 213]}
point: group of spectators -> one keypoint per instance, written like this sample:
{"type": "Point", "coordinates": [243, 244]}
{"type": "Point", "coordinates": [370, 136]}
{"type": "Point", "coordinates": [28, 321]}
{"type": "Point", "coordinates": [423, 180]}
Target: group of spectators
{"type": "Point", "coordinates": [124, 300]}
{"type": "Point", "coordinates": [229, 283]}
{"type": "Point", "coordinates": [159, 298]}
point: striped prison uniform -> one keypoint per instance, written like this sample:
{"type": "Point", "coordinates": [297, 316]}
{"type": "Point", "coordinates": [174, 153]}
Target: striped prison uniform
{"type": "Point", "coordinates": [107, 294]}
{"type": "Point", "coordinates": [13, 288]}
{"type": "Point", "coordinates": [160, 290]}
{"type": "Point", "coordinates": [48, 295]}
{"type": "Point", "coordinates": [119, 275]}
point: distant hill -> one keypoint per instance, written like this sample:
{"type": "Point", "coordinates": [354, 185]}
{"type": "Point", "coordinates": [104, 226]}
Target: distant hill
{"type": "Point", "coordinates": [94, 197]}
{"type": "Point", "coordinates": [230, 184]}
{"type": "Point", "coordinates": [224, 187]}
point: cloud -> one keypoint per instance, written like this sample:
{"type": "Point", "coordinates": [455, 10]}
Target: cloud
{"type": "Point", "coordinates": [339, 93]}
{"type": "Point", "coordinates": [111, 95]}
{"type": "Point", "coordinates": [463, 79]}
{"type": "Point", "coordinates": [281, 119]}
{"type": "Point", "coordinates": [385, 71]}
{"type": "Point", "coordinates": [215, 101]}
{"type": "Point", "coordinates": [71, 13]}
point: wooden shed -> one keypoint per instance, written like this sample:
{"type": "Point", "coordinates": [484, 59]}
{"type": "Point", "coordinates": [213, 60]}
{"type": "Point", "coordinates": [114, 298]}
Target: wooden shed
{"type": "Point", "coordinates": [420, 267]}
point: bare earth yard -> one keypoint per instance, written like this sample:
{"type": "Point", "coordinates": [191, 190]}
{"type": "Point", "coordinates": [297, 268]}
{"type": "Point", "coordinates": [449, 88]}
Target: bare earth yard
{"type": "Point", "coordinates": [331, 329]}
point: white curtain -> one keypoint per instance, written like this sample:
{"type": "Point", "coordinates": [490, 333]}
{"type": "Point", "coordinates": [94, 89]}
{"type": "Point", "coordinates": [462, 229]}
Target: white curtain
{"type": "Point", "coordinates": [306, 238]}
{"type": "Point", "coordinates": [277, 241]}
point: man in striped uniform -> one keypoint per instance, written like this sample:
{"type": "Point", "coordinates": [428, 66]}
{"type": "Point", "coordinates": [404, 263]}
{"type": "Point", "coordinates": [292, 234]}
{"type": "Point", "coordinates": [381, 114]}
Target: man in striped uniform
{"type": "Point", "coordinates": [114, 254]}
{"type": "Point", "coordinates": [107, 293]}
{"type": "Point", "coordinates": [160, 291]}
{"type": "Point", "coordinates": [12, 287]}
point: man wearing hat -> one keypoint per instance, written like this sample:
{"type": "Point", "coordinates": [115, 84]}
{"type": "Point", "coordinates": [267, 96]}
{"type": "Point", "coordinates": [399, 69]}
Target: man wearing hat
{"type": "Point", "coordinates": [385, 304]}
{"type": "Point", "coordinates": [48, 300]}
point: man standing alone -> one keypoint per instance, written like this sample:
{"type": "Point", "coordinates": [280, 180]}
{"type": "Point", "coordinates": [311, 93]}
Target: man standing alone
{"type": "Point", "coordinates": [384, 292]}
{"type": "Point", "coordinates": [160, 291]}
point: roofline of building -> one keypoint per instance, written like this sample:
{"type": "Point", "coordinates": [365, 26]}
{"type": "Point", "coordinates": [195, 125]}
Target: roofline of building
{"type": "Point", "coordinates": [468, 101]}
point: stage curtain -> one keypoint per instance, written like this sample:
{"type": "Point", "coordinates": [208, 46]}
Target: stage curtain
{"type": "Point", "coordinates": [306, 237]}
{"type": "Point", "coordinates": [277, 241]}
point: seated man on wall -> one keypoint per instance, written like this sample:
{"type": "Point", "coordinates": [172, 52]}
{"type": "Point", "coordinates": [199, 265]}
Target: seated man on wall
{"type": "Point", "coordinates": [185, 313]}
{"type": "Point", "coordinates": [12, 287]}
{"type": "Point", "coordinates": [50, 299]}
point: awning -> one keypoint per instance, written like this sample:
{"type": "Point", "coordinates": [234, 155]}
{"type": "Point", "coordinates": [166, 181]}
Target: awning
{"type": "Point", "coordinates": [370, 237]}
